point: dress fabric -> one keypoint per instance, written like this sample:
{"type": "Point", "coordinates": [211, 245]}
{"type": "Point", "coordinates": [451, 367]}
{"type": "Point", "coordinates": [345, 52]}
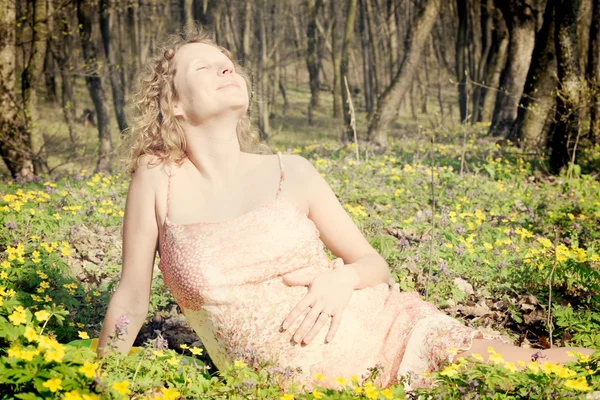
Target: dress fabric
{"type": "Point", "coordinates": [226, 277]}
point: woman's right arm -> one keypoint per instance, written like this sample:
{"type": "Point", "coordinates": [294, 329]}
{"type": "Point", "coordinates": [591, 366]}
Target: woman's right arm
{"type": "Point", "coordinates": [140, 238]}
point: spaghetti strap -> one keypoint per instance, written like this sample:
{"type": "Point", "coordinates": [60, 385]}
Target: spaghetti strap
{"type": "Point", "coordinates": [282, 174]}
{"type": "Point", "coordinates": [168, 193]}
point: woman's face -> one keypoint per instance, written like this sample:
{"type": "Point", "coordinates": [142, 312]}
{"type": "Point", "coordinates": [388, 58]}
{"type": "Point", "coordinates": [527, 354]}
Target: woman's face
{"type": "Point", "coordinates": [207, 85]}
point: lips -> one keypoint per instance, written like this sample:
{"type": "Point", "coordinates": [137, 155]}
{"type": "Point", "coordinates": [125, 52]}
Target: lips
{"type": "Point", "coordinates": [228, 84]}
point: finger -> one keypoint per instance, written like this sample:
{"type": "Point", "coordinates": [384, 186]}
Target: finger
{"type": "Point", "coordinates": [321, 321]}
{"type": "Point", "coordinates": [306, 301]}
{"type": "Point", "coordinates": [335, 323]}
{"type": "Point", "coordinates": [303, 280]}
{"type": "Point", "coordinates": [307, 323]}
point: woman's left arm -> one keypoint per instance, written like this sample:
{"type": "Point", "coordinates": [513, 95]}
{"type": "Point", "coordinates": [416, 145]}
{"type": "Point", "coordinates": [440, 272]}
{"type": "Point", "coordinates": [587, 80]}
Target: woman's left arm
{"type": "Point", "coordinates": [338, 231]}
{"type": "Point", "coordinates": [329, 292]}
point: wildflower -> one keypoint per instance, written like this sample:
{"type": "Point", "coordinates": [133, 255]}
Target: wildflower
{"type": "Point", "coordinates": [53, 384]}
{"type": "Point", "coordinates": [19, 316]}
{"type": "Point", "coordinates": [316, 394]}
{"type": "Point", "coordinates": [387, 393]}
{"type": "Point", "coordinates": [121, 325]}
{"type": "Point", "coordinates": [42, 315]}
{"type": "Point", "coordinates": [121, 387]}
{"type": "Point", "coordinates": [453, 351]}
{"type": "Point", "coordinates": [83, 335]}
{"type": "Point", "coordinates": [287, 396]}
{"type": "Point", "coordinates": [169, 394]}
{"type": "Point", "coordinates": [88, 369]}
{"type": "Point", "coordinates": [72, 395]}
{"type": "Point", "coordinates": [173, 361]}
{"type": "Point", "coordinates": [196, 351]}
{"type": "Point", "coordinates": [450, 371]}
{"type": "Point", "coordinates": [54, 355]}
{"type": "Point", "coordinates": [239, 364]}
{"type": "Point", "coordinates": [371, 392]}
{"type": "Point", "coordinates": [30, 333]}
{"type": "Point", "coordinates": [510, 366]}
{"type": "Point", "coordinates": [578, 384]}
{"type": "Point", "coordinates": [341, 381]}
{"type": "Point", "coordinates": [318, 376]}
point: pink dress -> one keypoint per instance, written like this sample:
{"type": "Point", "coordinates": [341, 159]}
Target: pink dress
{"type": "Point", "coordinates": [227, 279]}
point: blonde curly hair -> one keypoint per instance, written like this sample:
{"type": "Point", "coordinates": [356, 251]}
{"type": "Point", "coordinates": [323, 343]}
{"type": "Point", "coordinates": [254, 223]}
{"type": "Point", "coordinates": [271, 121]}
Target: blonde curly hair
{"type": "Point", "coordinates": [156, 131]}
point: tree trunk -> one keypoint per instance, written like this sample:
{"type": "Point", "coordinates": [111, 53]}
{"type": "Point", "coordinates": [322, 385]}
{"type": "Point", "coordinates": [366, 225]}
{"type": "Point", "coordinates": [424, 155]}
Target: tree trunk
{"type": "Point", "coordinates": [391, 97]}
{"type": "Point", "coordinates": [566, 130]}
{"type": "Point", "coordinates": [373, 48]}
{"type": "Point", "coordinates": [391, 6]}
{"type": "Point", "coordinates": [15, 140]}
{"type": "Point", "coordinates": [487, 29]}
{"type": "Point", "coordinates": [50, 77]}
{"type": "Point", "coordinates": [187, 14]}
{"type": "Point", "coordinates": [462, 48]}
{"type": "Point", "coordinates": [85, 14]}
{"type": "Point", "coordinates": [538, 98]}
{"type": "Point", "coordinates": [368, 73]}
{"type": "Point", "coordinates": [261, 80]}
{"type": "Point", "coordinates": [30, 79]}
{"type": "Point", "coordinates": [494, 67]}
{"type": "Point", "coordinates": [116, 85]}
{"type": "Point", "coordinates": [520, 20]}
{"type": "Point", "coordinates": [335, 58]}
{"type": "Point", "coordinates": [312, 58]}
{"type": "Point", "coordinates": [593, 73]}
{"type": "Point", "coordinates": [347, 133]}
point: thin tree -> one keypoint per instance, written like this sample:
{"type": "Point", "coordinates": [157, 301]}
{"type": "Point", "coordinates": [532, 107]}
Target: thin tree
{"type": "Point", "coordinates": [569, 89]}
{"type": "Point", "coordinates": [86, 11]}
{"type": "Point", "coordinates": [520, 20]}
{"type": "Point", "coordinates": [312, 55]}
{"type": "Point", "coordinates": [15, 140]}
{"type": "Point", "coordinates": [348, 132]}
{"type": "Point", "coordinates": [593, 73]}
{"type": "Point", "coordinates": [390, 98]}
{"type": "Point", "coordinates": [538, 98]}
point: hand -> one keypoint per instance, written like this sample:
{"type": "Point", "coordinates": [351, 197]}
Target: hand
{"type": "Point", "coordinates": [328, 294]}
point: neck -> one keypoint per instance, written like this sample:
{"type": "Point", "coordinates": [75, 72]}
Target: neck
{"type": "Point", "coordinates": [214, 150]}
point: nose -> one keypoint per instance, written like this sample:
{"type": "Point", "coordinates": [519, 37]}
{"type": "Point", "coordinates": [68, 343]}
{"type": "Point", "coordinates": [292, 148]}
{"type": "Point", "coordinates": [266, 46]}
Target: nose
{"type": "Point", "coordinates": [227, 68]}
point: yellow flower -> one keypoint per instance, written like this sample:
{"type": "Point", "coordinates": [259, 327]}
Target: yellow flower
{"type": "Point", "coordinates": [184, 346]}
{"type": "Point", "coordinates": [28, 355]}
{"type": "Point", "coordinates": [88, 369]}
{"type": "Point", "coordinates": [358, 389]}
{"type": "Point", "coordinates": [496, 358]}
{"type": "Point", "coordinates": [5, 264]}
{"type": "Point", "coordinates": [54, 355]}
{"type": "Point", "coordinates": [453, 351]}
{"type": "Point", "coordinates": [19, 316]}
{"type": "Point", "coordinates": [341, 381]}
{"type": "Point", "coordinates": [477, 356]}
{"type": "Point", "coordinates": [510, 366]}
{"type": "Point", "coordinates": [196, 351]}
{"type": "Point", "coordinates": [91, 397]}
{"type": "Point", "coordinates": [488, 246]}
{"type": "Point", "coordinates": [169, 394]}
{"type": "Point", "coordinates": [173, 361]}
{"type": "Point", "coordinates": [316, 394]}
{"type": "Point", "coordinates": [42, 315]}
{"type": "Point", "coordinates": [287, 396]}
{"type": "Point", "coordinates": [371, 392]}
{"type": "Point", "coordinates": [72, 395]}
{"type": "Point", "coordinates": [450, 371]}
{"type": "Point", "coordinates": [30, 334]}
{"type": "Point", "coordinates": [83, 335]}
{"type": "Point", "coordinates": [387, 393]}
{"type": "Point", "coordinates": [53, 384]}
{"type": "Point", "coordinates": [318, 376]}
{"type": "Point", "coordinates": [158, 353]}
{"type": "Point", "coordinates": [578, 384]}
{"type": "Point", "coordinates": [121, 387]}
{"type": "Point", "coordinates": [239, 364]}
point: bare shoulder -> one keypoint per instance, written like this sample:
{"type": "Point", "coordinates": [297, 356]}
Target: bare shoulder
{"type": "Point", "coordinates": [298, 165]}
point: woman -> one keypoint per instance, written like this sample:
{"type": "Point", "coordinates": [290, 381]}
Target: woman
{"type": "Point", "coordinates": [240, 236]}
